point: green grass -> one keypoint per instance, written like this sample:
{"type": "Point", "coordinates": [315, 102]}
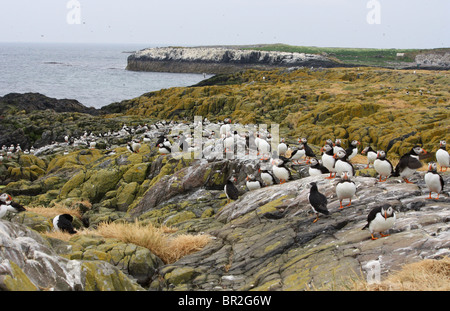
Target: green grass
{"type": "Point", "coordinates": [357, 56]}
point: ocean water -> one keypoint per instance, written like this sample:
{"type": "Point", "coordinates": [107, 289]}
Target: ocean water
{"type": "Point", "coordinates": [93, 74]}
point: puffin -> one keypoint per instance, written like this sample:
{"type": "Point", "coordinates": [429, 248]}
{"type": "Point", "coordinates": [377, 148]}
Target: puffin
{"type": "Point", "coordinates": [267, 177]}
{"type": "Point", "coordinates": [337, 146]}
{"type": "Point", "coordinates": [380, 219]}
{"type": "Point", "coordinates": [328, 159]}
{"type": "Point", "coordinates": [433, 180]}
{"type": "Point", "coordinates": [383, 166]}
{"type": "Point", "coordinates": [63, 223]}
{"type": "Point", "coordinates": [230, 189]}
{"type": "Point", "coordinates": [297, 154]}
{"type": "Point", "coordinates": [282, 147]}
{"type": "Point", "coordinates": [309, 153]}
{"type": "Point", "coordinates": [442, 156]}
{"type": "Point", "coordinates": [134, 146]}
{"type": "Point", "coordinates": [280, 170]}
{"type": "Point", "coordinates": [342, 164]}
{"type": "Point", "coordinates": [371, 155]}
{"type": "Point", "coordinates": [409, 163]}
{"type": "Point", "coordinates": [7, 204]}
{"type": "Point", "coordinates": [263, 147]}
{"type": "Point", "coordinates": [163, 149]}
{"type": "Point", "coordinates": [316, 168]}
{"type": "Point", "coordinates": [352, 151]}
{"type": "Point", "coordinates": [318, 201]}
{"type": "Point", "coordinates": [252, 183]}
{"type": "Point", "coordinates": [345, 189]}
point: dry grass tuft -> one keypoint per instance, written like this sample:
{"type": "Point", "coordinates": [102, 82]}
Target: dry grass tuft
{"type": "Point", "coordinates": [426, 275]}
{"type": "Point", "coordinates": [169, 248]}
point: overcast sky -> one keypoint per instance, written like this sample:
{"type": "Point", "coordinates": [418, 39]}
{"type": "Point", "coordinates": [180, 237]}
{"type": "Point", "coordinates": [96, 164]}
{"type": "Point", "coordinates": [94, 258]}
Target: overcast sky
{"type": "Point", "coordinates": [325, 23]}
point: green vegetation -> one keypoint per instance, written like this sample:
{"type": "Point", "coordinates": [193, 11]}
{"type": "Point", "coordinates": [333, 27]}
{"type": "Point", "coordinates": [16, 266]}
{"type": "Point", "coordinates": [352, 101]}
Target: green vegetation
{"type": "Point", "coordinates": [355, 56]}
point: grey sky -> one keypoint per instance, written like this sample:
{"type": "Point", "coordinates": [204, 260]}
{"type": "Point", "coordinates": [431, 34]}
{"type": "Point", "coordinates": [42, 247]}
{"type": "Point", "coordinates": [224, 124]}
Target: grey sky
{"type": "Point", "coordinates": [331, 23]}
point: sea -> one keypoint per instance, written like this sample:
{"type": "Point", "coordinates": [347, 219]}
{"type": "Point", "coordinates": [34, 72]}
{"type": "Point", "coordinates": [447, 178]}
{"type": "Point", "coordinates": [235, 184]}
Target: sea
{"type": "Point", "coordinates": [93, 74]}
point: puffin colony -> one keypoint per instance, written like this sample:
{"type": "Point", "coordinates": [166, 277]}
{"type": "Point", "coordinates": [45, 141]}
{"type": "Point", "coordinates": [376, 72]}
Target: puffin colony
{"type": "Point", "coordinates": [272, 158]}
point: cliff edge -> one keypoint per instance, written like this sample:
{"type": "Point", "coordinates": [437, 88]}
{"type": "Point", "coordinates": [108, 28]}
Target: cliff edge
{"type": "Point", "coordinates": [217, 60]}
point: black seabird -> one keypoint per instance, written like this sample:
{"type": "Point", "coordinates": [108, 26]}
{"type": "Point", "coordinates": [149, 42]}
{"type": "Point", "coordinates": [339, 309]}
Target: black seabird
{"type": "Point", "coordinates": [318, 201]}
{"type": "Point", "coordinates": [409, 163]}
{"type": "Point", "coordinates": [63, 223]}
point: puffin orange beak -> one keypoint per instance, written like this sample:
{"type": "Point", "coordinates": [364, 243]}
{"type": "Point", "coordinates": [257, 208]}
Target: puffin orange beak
{"type": "Point", "coordinates": [321, 149]}
{"type": "Point", "coordinates": [385, 214]}
{"type": "Point", "coordinates": [9, 197]}
{"type": "Point", "coordinates": [335, 155]}
{"type": "Point", "coordinates": [424, 151]}
{"type": "Point", "coordinates": [259, 170]}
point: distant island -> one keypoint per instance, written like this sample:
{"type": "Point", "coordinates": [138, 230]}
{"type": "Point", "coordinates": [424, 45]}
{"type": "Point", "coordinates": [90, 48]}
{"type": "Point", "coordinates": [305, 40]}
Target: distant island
{"type": "Point", "coordinates": [229, 59]}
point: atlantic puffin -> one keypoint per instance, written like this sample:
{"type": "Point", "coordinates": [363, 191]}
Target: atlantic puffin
{"type": "Point", "coordinates": [267, 177]}
{"type": "Point", "coordinates": [409, 163]}
{"type": "Point", "coordinates": [328, 159]}
{"type": "Point", "coordinates": [252, 183]}
{"type": "Point", "coordinates": [297, 154]}
{"type": "Point", "coordinates": [7, 204]}
{"type": "Point", "coordinates": [383, 166]}
{"type": "Point", "coordinates": [337, 145]}
{"type": "Point", "coordinates": [280, 170]}
{"type": "Point", "coordinates": [342, 163]}
{"type": "Point", "coordinates": [164, 149]}
{"type": "Point", "coordinates": [380, 219]}
{"type": "Point", "coordinates": [63, 223]}
{"type": "Point", "coordinates": [230, 189]}
{"type": "Point", "coordinates": [371, 155]}
{"type": "Point", "coordinates": [352, 151]}
{"type": "Point", "coordinates": [282, 147]}
{"type": "Point", "coordinates": [318, 201]}
{"type": "Point", "coordinates": [316, 168]}
{"type": "Point", "coordinates": [309, 153]}
{"type": "Point", "coordinates": [134, 146]}
{"type": "Point", "coordinates": [345, 189]}
{"type": "Point", "coordinates": [433, 180]}
{"type": "Point", "coordinates": [442, 156]}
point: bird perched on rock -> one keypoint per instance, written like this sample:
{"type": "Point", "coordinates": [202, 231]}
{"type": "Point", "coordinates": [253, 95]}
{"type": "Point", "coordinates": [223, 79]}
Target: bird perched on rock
{"type": "Point", "coordinates": [309, 153]}
{"type": "Point", "coordinates": [230, 189]}
{"type": "Point", "coordinates": [433, 180]}
{"type": "Point", "coordinates": [345, 189]}
{"type": "Point", "coordinates": [280, 170]}
{"type": "Point", "coordinates": [342, 164]}
{"type": "Point", "coordinates": [328, 159]}
{"type": "Point", "coordinates": [266, 176]}
{"type": "Point", "coordinates": [318, 201]}
{"type": "Point", "coordinates": [163, 149]}
{"type": "Point", "coordinates": [442, 156]}
{"type": "Point", "coordinates": [297, 154]}
{"type": "Point", "coordinates": [383, 166]}
{"type": "Point", "coordinates": [380, 219]}
{"type": "Point", "coordinates": [134, 146]}
{"type": "Point", "coordinates": [7, 204]}
{"type": "Point", "coordinates": [252, 183]}
{"type": "Point", "coordinates": [409, 163]}
{"type": "Point", "coordinates": [282, 147]}
{"type": "Point", "coordinates": [63, 223]}
{"type": "Point", "coordinates": [371, 155]}
{"type": "Point", "coordinates": [353, 149]}
{"type": "Point", "coordinates": [316, 168]}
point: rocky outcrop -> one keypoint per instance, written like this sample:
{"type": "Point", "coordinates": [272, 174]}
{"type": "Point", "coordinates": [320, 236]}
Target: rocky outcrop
{"type": "Point", "coordinates": [268, 241]}
{"type": "Point", "coordinates": [219, 60]}
{"type": "Point", "coordinates": [30, 263]}
{"type": "Point", "coordinates": [34, 101]}
{"type": "Point", "coordinates": [439, 61]}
